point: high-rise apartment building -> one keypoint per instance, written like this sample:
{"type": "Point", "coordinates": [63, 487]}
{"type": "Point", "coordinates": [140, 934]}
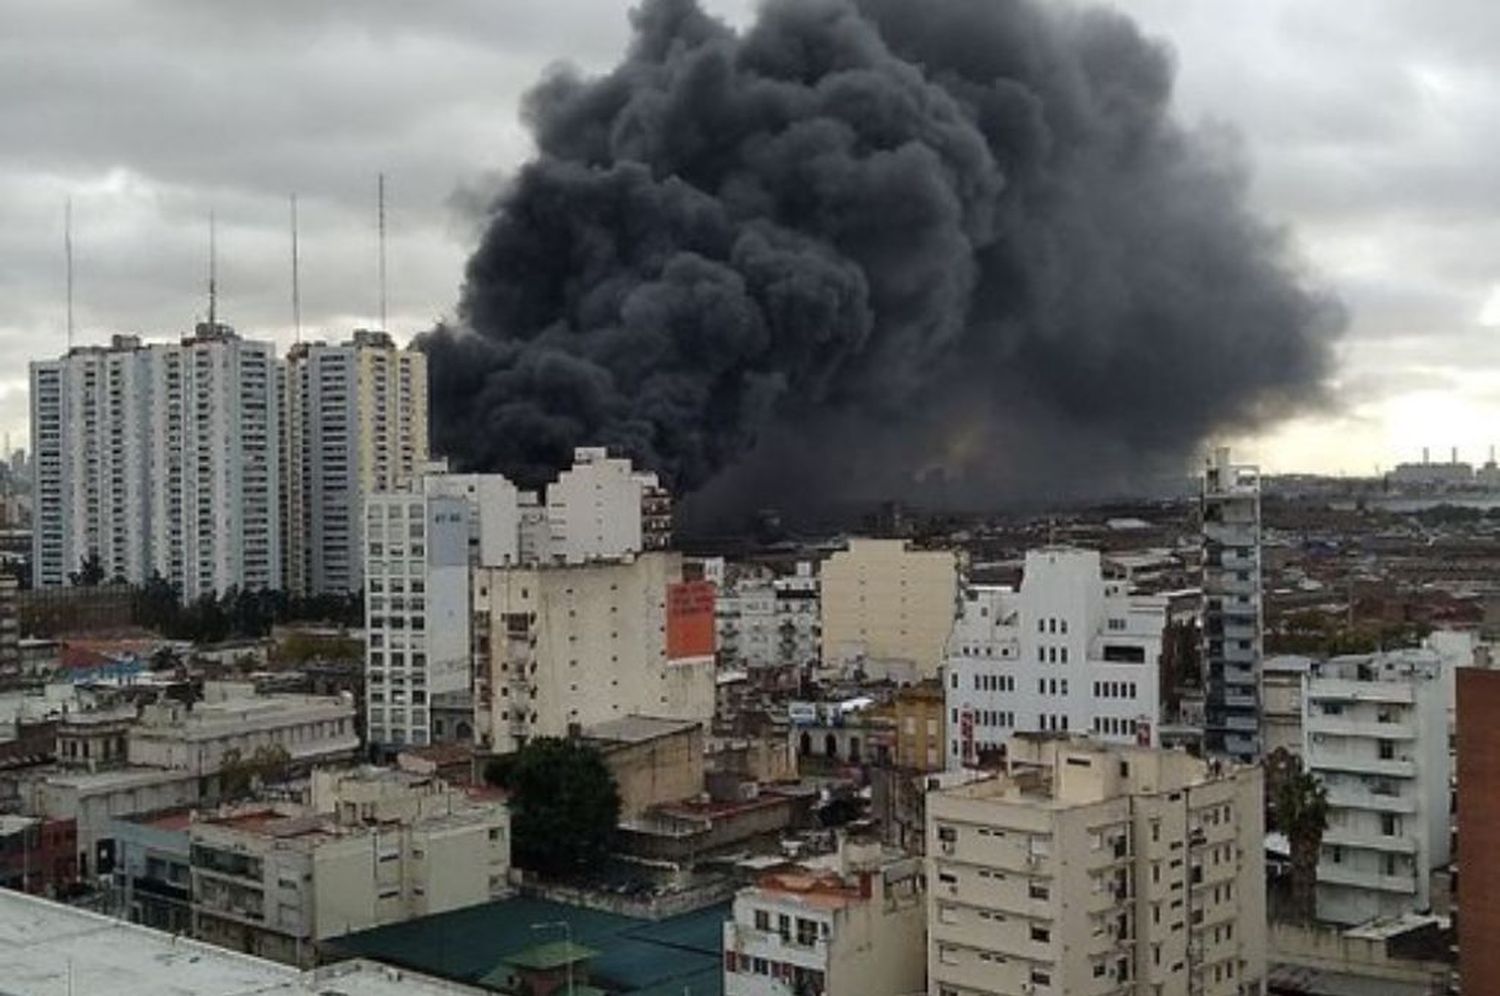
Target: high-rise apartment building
{"type": "Point", "coordinates": [1071, 651]}
{"type": "Point", "coordinates": [886, 603]}
{"type": "Point", "coordinates": [602, 507]}
{"type": "Point", "coordinates": [1376, 736]}
{"type": "Point", "coordinates": [1090, 870]}
{"type": "Point", "coordinates": [159, 459]}
{"type": "Point", "coordinates": [356, 425]}
{"type": "Point", "coordinates": [1231, 631]}
{"type": "Point", "coordinates": [565, 646]}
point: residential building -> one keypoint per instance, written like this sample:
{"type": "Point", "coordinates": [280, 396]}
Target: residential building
{"type": "Point", "coordinates": [153, 880]}
{"type": "Point", "coordinates": [766, 620]}
{"type": "Point", "coordinates": [36, 855]}
{"type": "Point", "coordinates": [884, 600]}
{"type": "Point", "coordinates": [11, 672]}
{"type": "Point", "coordinates": [375, 847]}
{"type": "Point", "coordinates": [159, 459]}
{"type": "Point", "coordinates": [602, 508]}
{"type": "Point", "coordinates": [1232, 607]}
{"type": "Point", "coordinates": [1478, 752]}
{"type": "Point", "coordinates": [48, 948]}
{"type": "Point", "coordinates": [1376, 736]}
{"type": "Point", "coordinates": [356, 425]}
{"type": "Point", "coordinates": [93, 800]}
{"type": "Point", "coordinates": [1092, 868]}
{"type": "Point", "coordinates": [201, 739]}
{"type": "Point", "coordinates": [561, 646]}
{"type": "Point", "coordinates": [1070, 651]}
{"type": "Point", "coordinates": [416, 609]}
{"type": "Point", "coordinates": [1282, 681]}
{"type": "Point", "coordinates": [919, 712]}
{"type": "Point", "coordinates": [853, 926]}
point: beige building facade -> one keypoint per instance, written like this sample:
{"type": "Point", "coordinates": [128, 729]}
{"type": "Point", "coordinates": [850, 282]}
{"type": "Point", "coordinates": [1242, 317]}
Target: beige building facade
{"type": "Point", "coordinates": [1087, 870]}
{"type": "Point", "coordinates": [851, 926]}
{"type": "Point", "coordinates": [375, 847]}
{"type": "Point", "coordinates": [566, 646]}
{"type": "Point", "coordinates": [884, 602]}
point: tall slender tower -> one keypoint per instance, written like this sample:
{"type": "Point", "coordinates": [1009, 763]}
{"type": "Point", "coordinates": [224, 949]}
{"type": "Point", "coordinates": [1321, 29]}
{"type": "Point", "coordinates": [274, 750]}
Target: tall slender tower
{"type": "Point", "coordinates": [1232, 608]}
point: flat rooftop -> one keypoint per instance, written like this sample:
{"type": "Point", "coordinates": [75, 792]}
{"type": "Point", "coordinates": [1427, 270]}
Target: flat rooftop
{"type": "Point", "coordinates": [42, 943]}
{"type": "Point", "coordinates": [636, 957]}
{"type": "Point", "coordinates": [637, 729]}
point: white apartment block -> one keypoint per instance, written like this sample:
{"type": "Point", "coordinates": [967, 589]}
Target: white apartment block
{"type": "Point", "coordinates": [1070, 652]}
{"type": "Point", "coordinates": [417, 563]}
{"type": "Point", "coordinates": [377, 847]}
{"type": "Point", "coordinates": [1376, 736]}
{"type": "Point", "coordinates": [562, 646]}
{"type": "Point", "coordinates": [602, 508]}
{"type": "Point", "coordinates": [356, 424]}
{"type": "Point", "coordinates": [854, 926]}
{"type": "Point", "coordinates": [1232, 604]}
{"type": "Point", "coordinates": [161, 458]}
{"type": "Point", "coordinates": [1093, 870]}
{"type": "Point", "coordinates": [886, 601]}
{"type": "Point", "coordinates": [767, 620]}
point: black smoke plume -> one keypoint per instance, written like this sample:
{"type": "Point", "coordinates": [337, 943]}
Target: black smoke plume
{"type": "Point", "coordinates": [871, 247]}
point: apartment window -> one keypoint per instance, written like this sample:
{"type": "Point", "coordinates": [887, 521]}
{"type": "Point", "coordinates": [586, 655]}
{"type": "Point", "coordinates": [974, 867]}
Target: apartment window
{"type": "Point", "coordinates": [1389, 825]}
{"type": "Point", "coordinates": [1038, 890]}
{"type": "Point", "coordinates": [1041, 934]}
{"type": "Point", "coordinates": [762, 920]}
{"type": "Point", "coordinates": [1387, 750]}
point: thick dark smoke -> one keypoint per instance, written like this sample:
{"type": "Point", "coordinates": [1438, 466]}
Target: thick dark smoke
{"type": "Point", "coordinates": [870, 247]}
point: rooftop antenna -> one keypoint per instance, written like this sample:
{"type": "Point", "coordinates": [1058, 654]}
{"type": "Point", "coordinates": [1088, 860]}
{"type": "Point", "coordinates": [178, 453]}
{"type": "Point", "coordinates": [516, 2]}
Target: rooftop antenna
{"type": "Point", "coordinates": [68, 256]}
{"type": "Point", "coordinates": [380, 221]}
{"type": "Point", "coordinates": [213, 274]}
{"type": "Point", "coordinates": [296, 281]}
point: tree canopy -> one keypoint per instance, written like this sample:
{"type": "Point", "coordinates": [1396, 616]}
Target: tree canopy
{"type": "Point", "coordinates": [564, 804]}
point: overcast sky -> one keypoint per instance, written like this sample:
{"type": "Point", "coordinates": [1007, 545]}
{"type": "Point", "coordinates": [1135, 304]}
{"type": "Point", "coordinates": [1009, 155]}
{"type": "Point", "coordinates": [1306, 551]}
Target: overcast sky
{"type": "Point", "coordinates": [1370, 124]}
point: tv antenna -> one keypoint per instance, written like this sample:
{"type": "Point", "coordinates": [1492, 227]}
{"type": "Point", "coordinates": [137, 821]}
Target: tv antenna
{"type": "Point", "coordinates": [296, 280]}
{"type": "Point", "coordinates": [213, 274]}
{"type": "Point", "coordinates": [380, 223]}
{"type": "Point", "coordinates": [68, 257]}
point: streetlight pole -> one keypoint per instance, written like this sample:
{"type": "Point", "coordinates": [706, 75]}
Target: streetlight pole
{"type": "Point", "coordinates": [567, 930]}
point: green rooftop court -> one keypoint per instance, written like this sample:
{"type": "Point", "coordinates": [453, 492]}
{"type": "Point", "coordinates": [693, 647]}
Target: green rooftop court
{"type": "Point", "coordinates": [672, 957]}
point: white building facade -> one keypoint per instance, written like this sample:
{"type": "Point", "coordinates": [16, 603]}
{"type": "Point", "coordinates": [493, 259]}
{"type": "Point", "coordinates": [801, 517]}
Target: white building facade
{"type": "Point", "coordinates": [1070, 652]}
{"type": "Point", "coordinates": [160, 459]}
{"type": "Point", "coordinates": [1376, 736]}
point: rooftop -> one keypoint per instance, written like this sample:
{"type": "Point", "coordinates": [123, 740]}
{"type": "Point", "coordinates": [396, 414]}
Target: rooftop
{"type": "Point", "coordinates": [637, 729]}
{"type": "Point", "coordinates": [636, 957]}
{"type": "Point", "coordinates": [555, 954]}
{"type": "Point", "coordinates": [48, 948]}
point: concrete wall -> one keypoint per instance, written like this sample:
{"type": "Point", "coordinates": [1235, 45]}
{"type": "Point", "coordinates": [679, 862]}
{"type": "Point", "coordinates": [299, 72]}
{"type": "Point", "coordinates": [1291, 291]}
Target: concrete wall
{"type": "Point", "coordinates": [881, 599]}
{"type": "Point", "coordinates": [664, 769]}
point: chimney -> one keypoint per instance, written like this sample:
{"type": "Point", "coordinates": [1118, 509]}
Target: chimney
{"type": "Point", "coordinates": [1425, 460]}
{"type": "Point", "coordinates": [1455, 455]}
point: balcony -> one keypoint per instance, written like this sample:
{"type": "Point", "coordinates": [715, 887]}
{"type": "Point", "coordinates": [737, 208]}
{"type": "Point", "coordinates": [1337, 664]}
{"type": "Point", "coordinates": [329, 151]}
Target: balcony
{"type": "Point", "coordinates": [1369, 841]}
{"type": "Point", "coordinates": [1339, 726]}
{"type": "Point", "coordinates": [1351, 798]}
{"type": "Point", "coordinates": [1332, 874]}
{"type": "Point", "coordinates": [1396, 767]}
{"type": "Point", "coordinates": [1341, 690]}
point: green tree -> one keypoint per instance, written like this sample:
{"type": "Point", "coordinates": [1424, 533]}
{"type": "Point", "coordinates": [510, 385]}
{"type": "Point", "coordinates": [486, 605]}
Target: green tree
{"type": "Point", "coordinates": [1301, 812]}
{"type": "Point", "coordinates": [239, 775]}
{"type": "Point", "coordinates": [90, 573]}
{"type": "Point", "coordinates": [564, 804]}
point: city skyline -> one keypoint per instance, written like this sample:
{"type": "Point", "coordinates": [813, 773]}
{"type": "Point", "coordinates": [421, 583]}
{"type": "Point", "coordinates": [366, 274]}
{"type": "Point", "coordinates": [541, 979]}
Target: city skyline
{"type": "Point", "coordinates": [1382, 108]}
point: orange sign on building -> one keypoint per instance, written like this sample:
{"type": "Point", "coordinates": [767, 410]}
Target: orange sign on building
{"type": "Point", "coordinates": [690, 620]}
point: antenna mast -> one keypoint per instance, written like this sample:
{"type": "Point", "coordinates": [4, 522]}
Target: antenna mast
{"type": "Point", "coordinates": [380, 221]}
{"type": "Point", "coordinates": [213, 275]}
{"type": "Point", "coordinates": [68, 255]}
{"type": "Point", "coordinates": [296, 284]}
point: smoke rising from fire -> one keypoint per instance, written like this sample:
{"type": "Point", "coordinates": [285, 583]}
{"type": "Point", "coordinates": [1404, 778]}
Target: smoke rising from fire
{"type": "Point", "coordinates": [862, 246]}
